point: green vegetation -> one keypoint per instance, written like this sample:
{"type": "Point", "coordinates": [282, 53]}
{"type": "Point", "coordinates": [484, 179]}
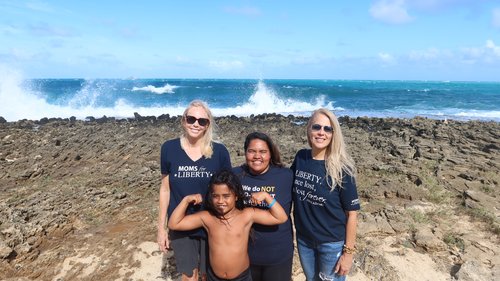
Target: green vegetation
{"type": "Point", "coordinates": [417, 218]}
{"type": "Point", "coordinates": [487, 189]}
{"type": "Point", "coordinates": [436, 193]}
{"type": "Point", "coordinates": [487, 217]}
{"type": "Point", "coordinates": [452, 240]}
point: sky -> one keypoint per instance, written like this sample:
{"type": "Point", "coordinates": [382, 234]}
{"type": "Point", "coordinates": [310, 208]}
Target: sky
{"type": "Point", "coordinates": [450, 40]}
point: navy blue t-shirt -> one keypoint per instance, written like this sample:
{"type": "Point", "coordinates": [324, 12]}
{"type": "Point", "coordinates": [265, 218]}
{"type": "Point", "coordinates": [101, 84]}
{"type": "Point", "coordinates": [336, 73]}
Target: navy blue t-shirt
{"type": "Point", "coordinates": [269, 245]}
{"type": "Point", "coordinates": [319, 212]}
{"type": "Point", "coordinates": [188, 176]}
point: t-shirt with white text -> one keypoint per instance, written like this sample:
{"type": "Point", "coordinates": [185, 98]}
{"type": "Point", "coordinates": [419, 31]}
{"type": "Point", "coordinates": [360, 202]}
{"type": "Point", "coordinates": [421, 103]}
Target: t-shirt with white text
{"type": "Point", "coordinates": [319, 212]}
{"type": "Point", "coordinates": [190, 177]}
{"type": "Point", "coordinates": [269, 245]}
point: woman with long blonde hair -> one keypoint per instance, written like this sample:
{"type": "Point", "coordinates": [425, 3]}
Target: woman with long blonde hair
{"type": "Point", "coordinates": [187, 163]}
{"type": "Point", "coordinates": [325, 200]}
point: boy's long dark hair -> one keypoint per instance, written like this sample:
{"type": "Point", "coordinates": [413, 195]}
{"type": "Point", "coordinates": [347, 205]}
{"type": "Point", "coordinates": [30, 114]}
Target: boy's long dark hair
{"type": "Point", "coordinates": [228, 178]}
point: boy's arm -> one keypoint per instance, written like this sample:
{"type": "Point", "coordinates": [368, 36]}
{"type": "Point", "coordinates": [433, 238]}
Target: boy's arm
{"type": "Point", "coordinates": [179, 221]}
{"type": "Point", "coordinates": [276, 213]}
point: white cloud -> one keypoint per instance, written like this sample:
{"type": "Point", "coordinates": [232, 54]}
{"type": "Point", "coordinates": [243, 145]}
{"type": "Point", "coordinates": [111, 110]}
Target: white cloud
{"type": "Point", "coordinates": [496, 18]}
{"type": "Point", "coordinates": [386, 58]}
{"type": "Point", "coordinates": [226, 65]}
{"type": "Point", "coordinates": [490, 46]}
{"type": "Point", "coordinates": [390, 11]}
{"type": "Point", "coordinates": [489, 53]}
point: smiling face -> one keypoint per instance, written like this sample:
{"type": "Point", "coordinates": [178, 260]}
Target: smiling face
{"type": "Point", "coordinates": [195, 130]}
{"type": "Point", "coordinates": [258, 156]}
{"type": "Point", "coordinates": [223, 199]}
{"type": "Point", "coordinates": [319, 139]}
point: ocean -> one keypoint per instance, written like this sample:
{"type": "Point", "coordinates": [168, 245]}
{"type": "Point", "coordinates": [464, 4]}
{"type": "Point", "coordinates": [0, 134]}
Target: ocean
{"type": "Point", "coordinates": [34, 99]}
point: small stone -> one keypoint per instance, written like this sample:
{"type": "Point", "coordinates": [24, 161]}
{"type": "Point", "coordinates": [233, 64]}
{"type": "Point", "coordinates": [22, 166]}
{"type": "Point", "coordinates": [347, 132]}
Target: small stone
{"type": "Point", "coordinates": [5, 250]}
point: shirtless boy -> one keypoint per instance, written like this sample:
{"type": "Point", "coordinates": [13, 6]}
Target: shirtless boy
{"type": "Point", "coordinates": [227, 223]}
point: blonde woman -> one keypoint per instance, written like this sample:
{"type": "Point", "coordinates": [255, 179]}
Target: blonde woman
{"type": "Point", "coordinates": [187, 163]}
{"type": "Point", "coordinates": [325, 201]}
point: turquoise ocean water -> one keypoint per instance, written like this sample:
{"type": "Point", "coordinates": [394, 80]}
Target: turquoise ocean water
{"type": "Point", "coordinates": [38, 98]}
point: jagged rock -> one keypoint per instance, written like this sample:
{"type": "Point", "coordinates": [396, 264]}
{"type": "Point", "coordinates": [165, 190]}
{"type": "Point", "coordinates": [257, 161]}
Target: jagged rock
{"type": "Point", "coordinates": [5, 250]}
{"type": "Point", "coordinates": [477, 199]}
{"type": "Point", "coordinates": [429, 240]}
{"type": "Point", "coordinates": [374, 224]}
{"type": "Point", "coordinates": [473, 271]}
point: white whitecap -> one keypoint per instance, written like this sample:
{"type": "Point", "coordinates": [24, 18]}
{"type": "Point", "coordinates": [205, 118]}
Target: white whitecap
{"type": "Point", "coordinates": [266, 100]}
{"type": "Point", "coordinates": [167, 89]}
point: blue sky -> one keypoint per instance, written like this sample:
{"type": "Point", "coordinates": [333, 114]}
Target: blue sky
{"type": "Point", "coordinates": [378, 39]}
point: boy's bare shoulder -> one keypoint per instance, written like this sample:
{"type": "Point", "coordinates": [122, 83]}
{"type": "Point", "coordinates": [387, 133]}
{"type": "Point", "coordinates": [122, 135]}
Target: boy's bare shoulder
{"type": "Point", "coordinates": [206, 217]}
{"type": "Point", "coordinates": [204, 214]}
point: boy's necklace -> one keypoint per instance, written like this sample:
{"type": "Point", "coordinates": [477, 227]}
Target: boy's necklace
{"type": "Point", "coordinates": [227, 220]}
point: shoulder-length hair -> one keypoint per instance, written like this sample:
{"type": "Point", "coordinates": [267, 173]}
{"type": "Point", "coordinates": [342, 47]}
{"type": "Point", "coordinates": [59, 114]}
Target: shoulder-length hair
{"type": "Point", "coordinates": [337, 159]}
{"type": "Point", "coordinates": [209, 135]}
{"type": "Point", "coordinates": [273, 149]}
{"type": "Point", "coordinates": [232, 181]}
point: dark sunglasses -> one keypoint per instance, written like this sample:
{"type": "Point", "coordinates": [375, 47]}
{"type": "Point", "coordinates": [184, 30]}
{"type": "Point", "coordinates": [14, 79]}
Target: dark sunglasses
{"type": "Point", "coordinates": [201, 121]}
{"type": "Point", "coordinates": [317, 127]}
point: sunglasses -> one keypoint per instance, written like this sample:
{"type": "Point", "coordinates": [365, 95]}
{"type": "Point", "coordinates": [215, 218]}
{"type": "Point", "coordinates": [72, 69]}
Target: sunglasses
{"type": "Point", "coordinates": [317, 127]}
{"type": "Point", "coordinates": [201, 121]}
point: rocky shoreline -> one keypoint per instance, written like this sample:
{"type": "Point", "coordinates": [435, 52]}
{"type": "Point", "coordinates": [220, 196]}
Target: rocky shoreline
{"type": "Point", "coordinates": [78, 199]}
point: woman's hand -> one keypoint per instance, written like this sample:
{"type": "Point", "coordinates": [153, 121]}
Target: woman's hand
{"type": "Point", "coordinates": [344, 264]}
{"type": "Point", "coordinates": [163, 241]}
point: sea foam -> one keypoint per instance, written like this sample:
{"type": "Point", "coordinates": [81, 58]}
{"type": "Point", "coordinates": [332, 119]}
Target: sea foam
{"type": "Point", "coordinates": [20, 101]}
{"type": "Point", "coordinates": [167, 89]}
{"type": "Point", "coordinates": [34, 99]}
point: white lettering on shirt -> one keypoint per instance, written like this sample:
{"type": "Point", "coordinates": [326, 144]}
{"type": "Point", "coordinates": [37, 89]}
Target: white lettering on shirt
{"type": "Point", "coordinates": [192, 172]}
{"type": "Point", "coordinates": [305, 188]}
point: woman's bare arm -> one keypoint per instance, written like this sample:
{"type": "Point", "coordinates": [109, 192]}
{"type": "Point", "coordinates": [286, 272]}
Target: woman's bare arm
{"type": "Point", "coordinates": [162, 237]}
{"type": "Point", "coordinates": [345, 262]}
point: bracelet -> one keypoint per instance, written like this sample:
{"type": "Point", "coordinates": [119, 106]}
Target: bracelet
{"type": "Point", "coordinates": [272, 203]}
{"type": "Point", "coordinates": [348, 250]}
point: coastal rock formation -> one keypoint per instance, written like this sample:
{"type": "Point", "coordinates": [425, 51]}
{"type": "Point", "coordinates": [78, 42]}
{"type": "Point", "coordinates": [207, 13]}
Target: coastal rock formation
{"type": "Point", "coordinates": [78, 199]}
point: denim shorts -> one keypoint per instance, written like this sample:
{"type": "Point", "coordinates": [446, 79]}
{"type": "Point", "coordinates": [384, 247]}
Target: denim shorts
{"type": "Point", "coordinates": [318, 260]}
{"type": "Point", "coordinates": [189, 253]}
